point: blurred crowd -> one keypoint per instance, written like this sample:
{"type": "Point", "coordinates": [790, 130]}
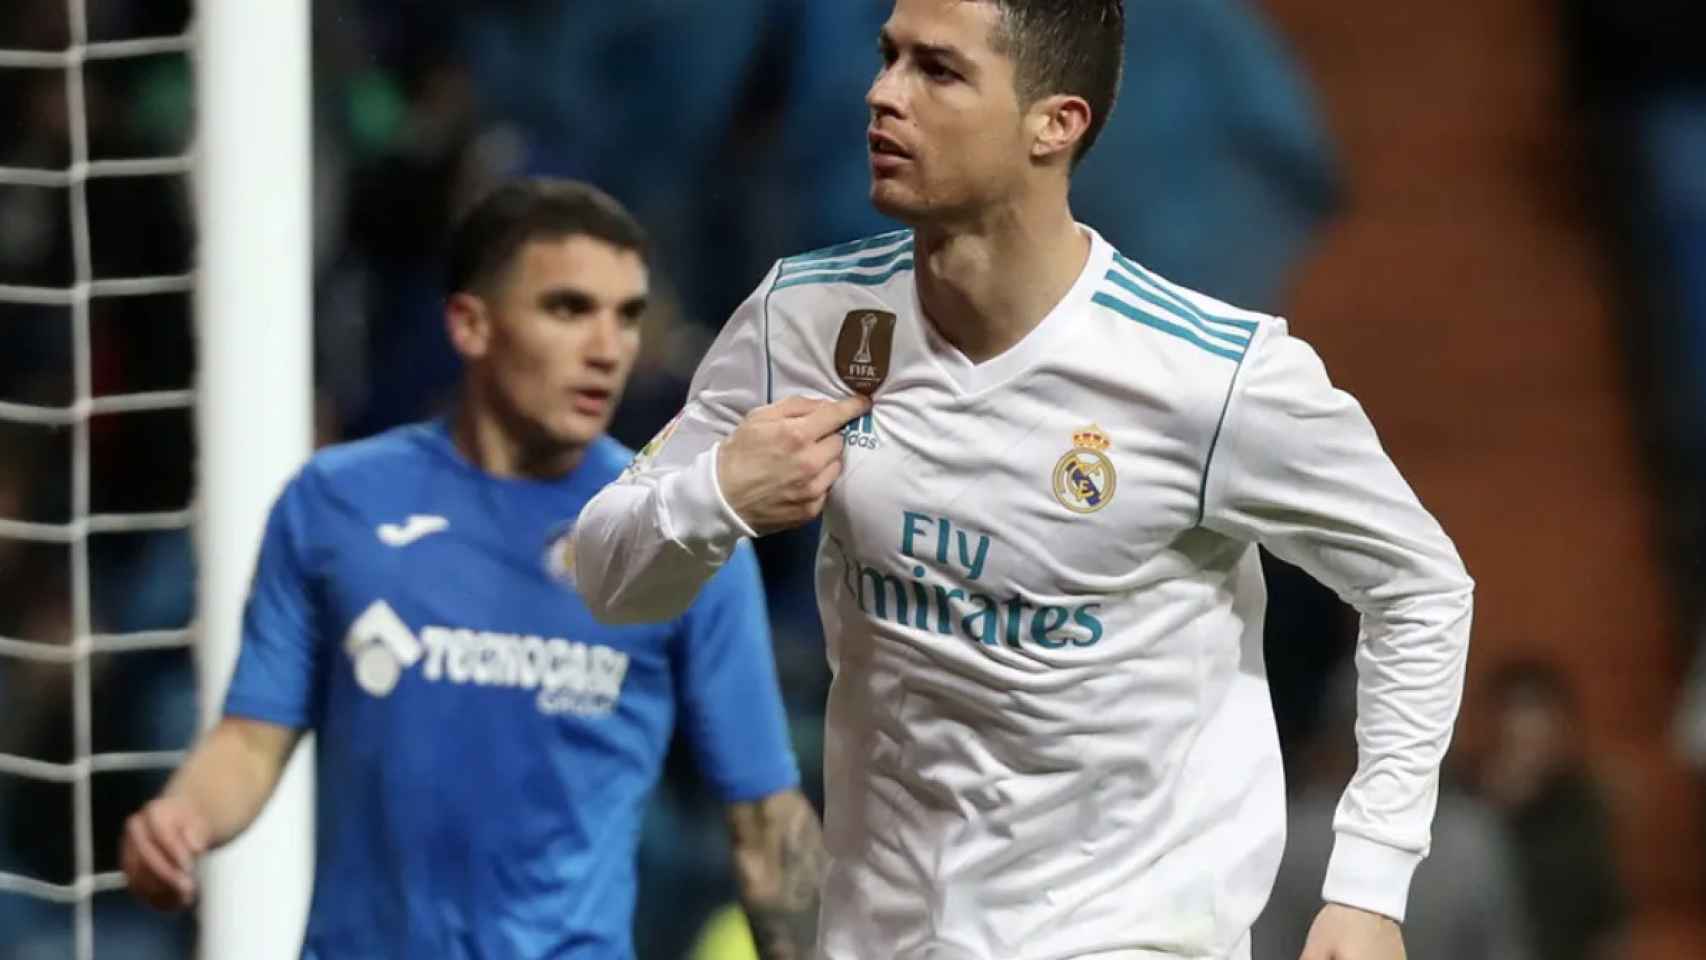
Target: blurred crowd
{"type": "Point", "coordinates": [1639, 75]}
{"type": "Point", "coordinates": [734, 129]}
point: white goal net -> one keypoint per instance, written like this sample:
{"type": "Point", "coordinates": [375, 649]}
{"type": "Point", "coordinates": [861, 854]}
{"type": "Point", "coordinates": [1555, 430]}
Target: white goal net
{"type": "Point", "coordinates": [77, 261]}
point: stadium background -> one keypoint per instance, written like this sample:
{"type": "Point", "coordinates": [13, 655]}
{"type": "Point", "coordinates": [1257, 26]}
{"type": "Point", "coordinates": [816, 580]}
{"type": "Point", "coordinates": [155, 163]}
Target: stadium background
{"type": "Point", "coordinates": [1488, 215]}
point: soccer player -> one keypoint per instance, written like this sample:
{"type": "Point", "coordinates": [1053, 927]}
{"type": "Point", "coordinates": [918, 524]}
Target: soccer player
{"type": "Point", "coordinates": [485, 748]}
{"type": "Point", "coordinates": [1049, 727]}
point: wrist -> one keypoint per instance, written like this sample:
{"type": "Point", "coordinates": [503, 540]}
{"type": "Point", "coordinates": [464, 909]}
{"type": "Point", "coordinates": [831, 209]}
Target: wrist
{"type": "Point", "coordinates": [696, 514]}
{"type": "Point", "coordinates": [1359, 913]}
{"type": "Point", "coordinates": [1369, 876]}
{"type": "Point", "coordinates": [725, 505]}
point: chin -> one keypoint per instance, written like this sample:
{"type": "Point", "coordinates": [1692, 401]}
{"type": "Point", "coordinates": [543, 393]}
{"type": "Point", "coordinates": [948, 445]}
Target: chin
{"type": "Point", "coordinates": [582, 433]}
{"type": "Point", "coordinates": [891, 200]}
{"type": "Point", "coordinates": [576, 431]}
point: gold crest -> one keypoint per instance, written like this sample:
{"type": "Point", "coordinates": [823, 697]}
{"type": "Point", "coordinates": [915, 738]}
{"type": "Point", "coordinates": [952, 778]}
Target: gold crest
{"type": "Point", "coordinates": [655, 444]}
{"type": "Point", "coordinates": [560, 556]}
{"type": "Point", "coordinates": [864, 349]}
{"type": "Point", "coordinates": [1084, 478]}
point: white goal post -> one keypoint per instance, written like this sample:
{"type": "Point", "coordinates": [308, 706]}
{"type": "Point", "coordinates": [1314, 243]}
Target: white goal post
{"type": "Point", "coordinates": [253, 410]}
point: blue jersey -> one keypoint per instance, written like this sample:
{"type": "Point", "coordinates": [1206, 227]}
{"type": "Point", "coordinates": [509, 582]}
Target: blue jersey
{"type": "Point", "coordinates": [485, 747]}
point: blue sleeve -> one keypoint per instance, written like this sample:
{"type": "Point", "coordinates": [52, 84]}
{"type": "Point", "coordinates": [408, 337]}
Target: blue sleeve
{"type": "Point", "coordinates": [731, 702]}
{"type": "Point", "coordinates": [277, 671]}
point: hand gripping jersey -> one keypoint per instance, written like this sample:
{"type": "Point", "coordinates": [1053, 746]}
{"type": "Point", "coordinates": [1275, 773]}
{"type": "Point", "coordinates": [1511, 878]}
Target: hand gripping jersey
{"type": "Point", "coordinates": [1049, 729]}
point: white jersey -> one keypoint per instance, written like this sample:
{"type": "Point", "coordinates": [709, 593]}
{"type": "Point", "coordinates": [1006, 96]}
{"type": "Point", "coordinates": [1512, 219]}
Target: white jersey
{"type": "Point", "coordinates": [1049, 732]}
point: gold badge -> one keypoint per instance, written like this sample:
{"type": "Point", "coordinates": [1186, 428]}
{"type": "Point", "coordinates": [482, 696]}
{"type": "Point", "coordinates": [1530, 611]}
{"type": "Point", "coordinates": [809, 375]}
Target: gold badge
{"type": "Point", "coordinates": [864, 349]}
{"type": "Point", "coordinates": [653, 447]}
{"type": "Point", "coordinates": [655, 444]}
{"type": "Point", "coordinates": [560, 555]}
{"type": "Point", "coordinates": [1084, 478]}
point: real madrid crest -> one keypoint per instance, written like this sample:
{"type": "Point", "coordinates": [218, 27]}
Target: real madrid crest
{"type": "Point", "coordinates": [1084, 478]}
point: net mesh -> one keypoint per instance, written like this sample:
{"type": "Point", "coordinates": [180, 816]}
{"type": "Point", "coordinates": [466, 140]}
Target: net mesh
{"type": "Point", "coordinates": [74, 418]}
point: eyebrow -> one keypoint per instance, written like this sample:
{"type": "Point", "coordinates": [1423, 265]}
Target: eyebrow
{"type": "Point", "coordinates": [886, 40]}
{"type": "Point", "coordinates": [572, 297]}
{"type": "Point", "coordinates": [577, 299]}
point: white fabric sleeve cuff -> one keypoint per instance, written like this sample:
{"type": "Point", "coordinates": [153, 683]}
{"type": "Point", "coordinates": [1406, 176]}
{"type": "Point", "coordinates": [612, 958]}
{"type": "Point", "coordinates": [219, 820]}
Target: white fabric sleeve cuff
{"type": "Point", "coordinates": [695, 512]}
{"type": "Point", "coordinates": [1369, 876]}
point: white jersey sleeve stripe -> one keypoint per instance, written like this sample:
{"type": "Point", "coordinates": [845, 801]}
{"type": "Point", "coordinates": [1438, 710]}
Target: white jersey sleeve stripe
{"type": "Point", "coordinates": [857, 279]}
{"type": "Point", "coordinates": [851, 247]}
{"type": "Point", "coordinates": [1191, 317]}
{"type": "Point", "coordinates": [1172, 293]}
{"type": "Point", "coordinates": [1105, 299]}
{"type": "Point", "coordinates": [792, 267]}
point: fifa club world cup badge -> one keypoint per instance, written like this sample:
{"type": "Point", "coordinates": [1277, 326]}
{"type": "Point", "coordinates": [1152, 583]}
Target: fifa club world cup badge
{"type": "Point", "coordinates": [864, 349]}
{"type": "Point", "coordinates": [1084, 477]}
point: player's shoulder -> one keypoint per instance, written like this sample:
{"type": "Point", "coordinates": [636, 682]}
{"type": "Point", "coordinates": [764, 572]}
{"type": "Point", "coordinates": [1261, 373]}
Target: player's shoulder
{"type": "Point", "coordinates": [1191, 329]}
{"type": "Point", "coordinates": [879, 265]}
{"type": "Point", "coordinates": [398, 447]}
{"type": "Point", "coordinates": [371, 466]}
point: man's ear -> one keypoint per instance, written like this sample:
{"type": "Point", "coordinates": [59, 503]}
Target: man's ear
{"type": "Point", "coordinates": [468, 320]}
{"type": "Point", "coordinates": [1057, 124]}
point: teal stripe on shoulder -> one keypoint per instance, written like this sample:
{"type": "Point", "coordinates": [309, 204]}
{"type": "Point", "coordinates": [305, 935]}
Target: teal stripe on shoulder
{"type": "Point", "coordinates": [1183, 333]}
{"type": "Point", "coordinates": [1127, 284]}
{"type": "Point", "coordinates": [851, 247]}
{"type": "Point", "coordinates": [1214, 443]}
{"type": "Point", "coordinates": [791, 267]}
{"type": "Point", "coordinates": [858, 279]}
{"type": "Point", "coordinates": [1164, 289]}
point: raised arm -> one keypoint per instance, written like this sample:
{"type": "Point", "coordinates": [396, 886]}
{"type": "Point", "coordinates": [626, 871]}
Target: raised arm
{"type": "Point", "coordinates": [1298, 468]}
{"type": "Point", "coordinates": [731, 465]}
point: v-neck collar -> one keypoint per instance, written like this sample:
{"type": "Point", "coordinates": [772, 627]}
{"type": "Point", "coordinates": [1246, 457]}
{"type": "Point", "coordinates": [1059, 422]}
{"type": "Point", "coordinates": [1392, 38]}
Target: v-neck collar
{"type": "Point", "coordinates": [970, 378]}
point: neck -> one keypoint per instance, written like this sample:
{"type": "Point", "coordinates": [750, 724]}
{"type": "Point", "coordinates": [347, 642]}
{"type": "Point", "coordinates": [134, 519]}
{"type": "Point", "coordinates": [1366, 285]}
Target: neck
{"type": "Point", "coordinates": [502, 447]}
{"type": "Point", "coordinates": [988, 282]}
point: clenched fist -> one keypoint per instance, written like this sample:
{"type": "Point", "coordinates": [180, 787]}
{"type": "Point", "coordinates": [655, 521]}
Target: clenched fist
{"type": "Point", "coordinates": [776, 469]}
{"type": "Point", "coordinates": [162, 844]}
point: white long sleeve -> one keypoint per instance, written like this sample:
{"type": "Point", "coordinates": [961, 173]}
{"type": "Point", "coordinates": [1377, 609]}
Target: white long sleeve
{"type": "Point", "coordinates": [1298, 468]}
{"type": "Point", "coordinates": [646, 544]}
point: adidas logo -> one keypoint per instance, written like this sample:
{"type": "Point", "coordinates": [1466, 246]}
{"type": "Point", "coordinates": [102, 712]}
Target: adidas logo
{"type": "Point", "coordinates": [862, 432]}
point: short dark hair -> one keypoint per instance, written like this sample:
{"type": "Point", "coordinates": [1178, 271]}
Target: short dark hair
{"type": "Point", "coordinates": [1074, 47]}
{"type": "Point", "coordinates": [487, 238]}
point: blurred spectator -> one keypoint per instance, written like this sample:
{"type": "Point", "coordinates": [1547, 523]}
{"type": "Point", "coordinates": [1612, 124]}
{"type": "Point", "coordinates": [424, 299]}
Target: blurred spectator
{"type": "Point", "coordinates": [1557, 814]}
{"type": "Point", "coordinates": [1691, 717]}
{"type": "Point", "coordinates": [640, 97]}
{"type": "Point", "coordinates": [1464, 903]}
{"type": "Point", "coordinates": [414, 151]}
{"type": "Point", "coordinates": [817, 183]}
{"type": "Point", "coordinates": [1215, 169]}
{"type": "Point", "coordinates": [1638, 71]}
